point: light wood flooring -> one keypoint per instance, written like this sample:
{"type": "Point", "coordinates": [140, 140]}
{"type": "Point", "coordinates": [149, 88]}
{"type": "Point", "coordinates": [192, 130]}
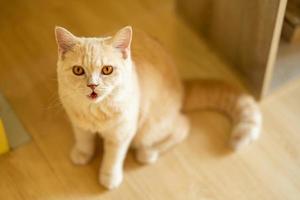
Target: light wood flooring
{"type": "Point", "coordinates": [202, 167]}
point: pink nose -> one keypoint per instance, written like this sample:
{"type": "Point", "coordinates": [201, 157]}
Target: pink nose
{"type": "Point", "coordinates": [92, 86]}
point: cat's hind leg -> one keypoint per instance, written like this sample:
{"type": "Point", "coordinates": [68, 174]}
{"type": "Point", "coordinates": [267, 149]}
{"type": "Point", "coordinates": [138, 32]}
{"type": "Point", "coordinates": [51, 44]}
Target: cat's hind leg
{"type": "Point", "coordinates": [179, 131]}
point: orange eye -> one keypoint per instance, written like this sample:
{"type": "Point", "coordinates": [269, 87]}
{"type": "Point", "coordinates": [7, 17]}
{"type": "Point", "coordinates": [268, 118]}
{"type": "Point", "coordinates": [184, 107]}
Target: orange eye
{"type": "Point", "coordinates": [107, 69]}
{"type": "Point", "coordinates": [78, 70]}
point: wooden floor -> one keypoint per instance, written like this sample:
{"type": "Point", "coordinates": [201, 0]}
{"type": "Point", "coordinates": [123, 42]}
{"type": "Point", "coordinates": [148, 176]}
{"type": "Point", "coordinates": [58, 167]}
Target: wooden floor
{"type": "Point", "coordinates": [200, 168]}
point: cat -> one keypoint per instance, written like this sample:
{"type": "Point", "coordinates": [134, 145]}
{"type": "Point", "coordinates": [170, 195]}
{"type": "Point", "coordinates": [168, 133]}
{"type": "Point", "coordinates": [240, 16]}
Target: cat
{"type": "Point", "coordinates": [126, 88]}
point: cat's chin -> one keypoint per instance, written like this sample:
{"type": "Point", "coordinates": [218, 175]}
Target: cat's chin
{"type": "Point", "coordinates": [94, 100]}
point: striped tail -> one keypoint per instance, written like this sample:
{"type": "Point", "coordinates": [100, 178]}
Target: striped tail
{"type": "Point", "coordinates": [240, 107]}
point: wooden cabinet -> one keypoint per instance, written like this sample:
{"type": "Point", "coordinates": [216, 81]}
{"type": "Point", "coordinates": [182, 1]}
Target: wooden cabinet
{"type": "Point", "coordinates": [246, 33]}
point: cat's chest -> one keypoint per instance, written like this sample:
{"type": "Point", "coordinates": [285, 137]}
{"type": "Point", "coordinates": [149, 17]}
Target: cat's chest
{"type": "Point", "coordinates": [95, 118]}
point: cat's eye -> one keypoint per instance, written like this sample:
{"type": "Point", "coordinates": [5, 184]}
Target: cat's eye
{"type": "Point", "coordinates": [107, 69]}
{"type": "Point", "coordinates": [78, 70]}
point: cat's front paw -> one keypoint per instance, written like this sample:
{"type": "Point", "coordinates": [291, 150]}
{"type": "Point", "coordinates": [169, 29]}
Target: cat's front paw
{"type": "Point", "coordinates": [79, 157]}
{"type": "Point", "coordinates": [111, 180]}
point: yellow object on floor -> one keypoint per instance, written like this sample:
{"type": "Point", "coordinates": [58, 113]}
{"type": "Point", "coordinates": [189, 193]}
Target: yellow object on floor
{"type": "Point", "coordinates": [3, 140]}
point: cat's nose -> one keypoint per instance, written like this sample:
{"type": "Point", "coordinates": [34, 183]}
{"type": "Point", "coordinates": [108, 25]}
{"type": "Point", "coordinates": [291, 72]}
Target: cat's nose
{"type": "Point", "coordinates": [92, 86]}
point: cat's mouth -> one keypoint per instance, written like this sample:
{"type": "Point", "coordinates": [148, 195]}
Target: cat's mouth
{"type": "Point", "coordinates": [93, 95]}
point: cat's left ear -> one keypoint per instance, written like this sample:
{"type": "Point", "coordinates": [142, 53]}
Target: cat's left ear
{"type": "Point", "coordinates": [122, 40]}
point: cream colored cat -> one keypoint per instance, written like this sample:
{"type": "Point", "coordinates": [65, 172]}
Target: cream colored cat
{"type": "Point", "coordinates": [128, 91]}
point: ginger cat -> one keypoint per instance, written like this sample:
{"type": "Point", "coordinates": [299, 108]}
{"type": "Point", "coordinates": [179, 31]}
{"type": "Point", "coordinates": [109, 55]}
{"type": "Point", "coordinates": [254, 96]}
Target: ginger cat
{"type": "Point", "coordinates": [126, 89]}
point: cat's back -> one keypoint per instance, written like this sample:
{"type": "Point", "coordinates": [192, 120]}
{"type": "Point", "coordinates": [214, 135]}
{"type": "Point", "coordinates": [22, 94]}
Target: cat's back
{"type": "Point", "coordinates": [148, 50]}
{"type": "Point", "coordinates": [160, 85]}
{"type": "Point", "coordinates": [154, 65]}
{"type": "Point", "coordinates": [150, 56]}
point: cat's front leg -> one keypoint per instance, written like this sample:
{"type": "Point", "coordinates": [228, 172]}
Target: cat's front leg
{"type": "Point", "coordinates": [111, 172]}
{"type": "Point", "coordinates": [84, 146]}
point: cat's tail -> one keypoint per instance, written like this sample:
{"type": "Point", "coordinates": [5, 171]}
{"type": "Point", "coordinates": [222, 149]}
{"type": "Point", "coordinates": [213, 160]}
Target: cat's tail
{"type": "Point", "coordinates": [240, 107]}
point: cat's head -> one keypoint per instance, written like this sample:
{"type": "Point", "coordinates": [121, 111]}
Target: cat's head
{"type": "Point", "coordinates": [91, 68]}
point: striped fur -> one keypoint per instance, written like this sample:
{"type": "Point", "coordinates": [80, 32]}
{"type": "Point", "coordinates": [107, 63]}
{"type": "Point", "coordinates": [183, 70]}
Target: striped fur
{"type": "Point", "coordinates": [241, 108]}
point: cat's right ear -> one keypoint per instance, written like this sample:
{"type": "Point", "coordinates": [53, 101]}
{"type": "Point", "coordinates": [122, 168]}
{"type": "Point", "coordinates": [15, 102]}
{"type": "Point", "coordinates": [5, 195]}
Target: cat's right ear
{"type": "Point", "coordinates": [65, 40]}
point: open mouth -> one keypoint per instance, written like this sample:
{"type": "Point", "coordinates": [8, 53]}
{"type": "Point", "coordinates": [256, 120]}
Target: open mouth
{"type": "Point", "coordinates": [93, 95]}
